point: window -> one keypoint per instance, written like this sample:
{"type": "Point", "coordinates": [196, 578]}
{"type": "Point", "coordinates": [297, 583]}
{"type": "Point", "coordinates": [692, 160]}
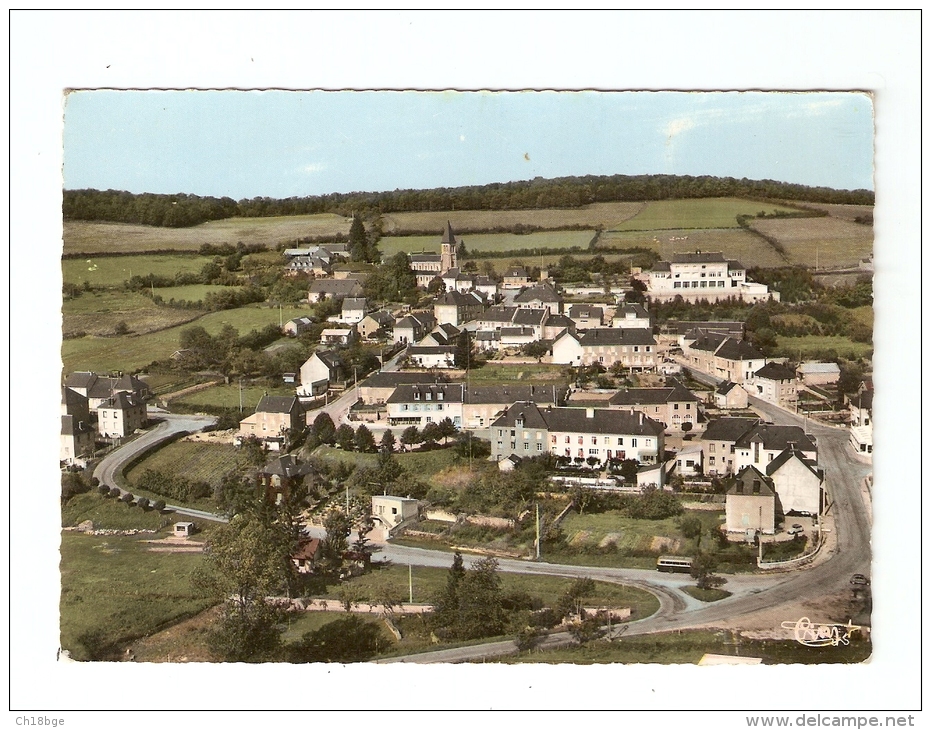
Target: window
{"type": "Point", "coordinates": [581, 440]}
{"type": "Point", "coordinates": [688, 406]}
{"type": "Point", "coordinates": [429, 395]}
{"type": "Point", "coordinates": [439, 396]}
{"type": "Point", "coordinates": [568, 439]}
{"type": "Point", "coordinates": [500, 432]}
{"type": "Point", "coordinates": [513, 445]}
{"type": "Point", "coordinates": [594, 439]}
{"type": "Point", "coordinates": [675, 406]}
{"type": "Point", "coordinates": [539, 435]}
{"type": "Point", "coordinates": [711, 448]}
{"type": "Point", "coordinates": [593, 452]}
{"type": "Point", "coordinates": [429, 419]}
{"type": "Point", "coordinates": [633, 442]}
{"type": "Point", "coordinates": [416, 396]}
{"type": "Point", "coordinates": [620, 442]}
{"type": "Point", "coordinates": [526, 447]}
{"type": "Point", "coordinates": [711, 460]}
{"type": "Point", "coordinates": [539, 446]}
{"type": "Point", "coordinates": [500, 445]}
{"type": "Point", "coordinates": [404, 406]}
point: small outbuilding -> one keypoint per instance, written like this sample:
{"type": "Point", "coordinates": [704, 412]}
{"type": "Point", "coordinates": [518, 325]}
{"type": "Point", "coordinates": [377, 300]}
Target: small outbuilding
{"type": "Point", "coordinates": [183, 529]}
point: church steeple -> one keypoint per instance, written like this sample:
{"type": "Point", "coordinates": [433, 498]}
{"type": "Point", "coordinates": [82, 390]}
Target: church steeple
{"type": "Point", "coordinates": [448, 246]}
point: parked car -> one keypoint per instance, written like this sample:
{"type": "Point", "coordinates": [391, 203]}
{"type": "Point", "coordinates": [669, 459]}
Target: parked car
{"type": "Point", "coordinates": [859, 579]}
{"type": "Point", "coordinates": [796, 529]}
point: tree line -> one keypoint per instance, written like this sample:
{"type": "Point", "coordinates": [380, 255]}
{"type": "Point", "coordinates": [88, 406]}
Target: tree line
{"type": "Point", "coordinates": [181, 210]}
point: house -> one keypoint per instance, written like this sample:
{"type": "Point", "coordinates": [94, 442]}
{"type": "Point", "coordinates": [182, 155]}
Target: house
{"type": "Point", "coordinates": [98, 388]}
{"type": "Point", "coordinates": [634, 349]}
{"type": "Point", "coordinates": [751, 503]}
{"type": "Point", "coordinates": [456, 280]}
{"type": "Point", "coordinates": [418, 404]}
{"type": "Point", "coordinates": [586, 316]}
{"type": "Point", "coordinates": [391, 511]}
{"type": "Point", "coordinates": [76, 444]}
{"type": "Point", "coordinates": [703, 275]}
{"type": "Point", "coordinates": [655, 475]}
{"type": "Point", "coordinates": [354, 309]}
{"type": "Point", "coordinates": [692, 330]}
{"type": "Point", "coordinates": [413, 327]}
{"type": "Point", "coordinates": [293, 253]}
{"type": "Point", "coordinates": [333, 289]}
{"type": "Point", "coordinates": [296, 326]}
{"type": "Point", "coordinates": [540, 296]}
{"type": "Point", "coordinates": [320, 370]}
{"type": "Point", "coordinates": [279, 476]}
{"type": "Point", "coordinates": [377, 388]}
{"type": "Point", "coordinates": [775, 383]}
{"type": "Point", "coordinates": [375, 322]}
{"type": "Point", "coordinates": [516, 337]}
{"type": "Point", "coordinates": [861, 408]}
{"type": "Point", "coordinates": [442, 334]}
{"type": "Point", "coordinates": [516, 277]}
{"type": "Point", "coordinates": [487, 286]}
{"type": "Point", "coordinates": [120, 415]}
{"type": "Point", "coordinates": [555, 325]}
{"type": "Point", "coordinates": [673, 405]}
{"type": "Point", "coordinates": [306, 555]}
{"type": "Point", "coordinates": [482, 404]}
{"type": "Point", "coordinates": [509, 463]}
{"type": "Point", "coordinates": [427, 267]}
{"type": "Point", "coordinates": [764, 442]}
{"type": "Point", "coordinates": [798, 482]}
{"type": "Point", "coordinates": [183, 529]}
{"type": "Point", "coordinates": [338, 336]}
{"type": "Point", "coordinates": [456, 308]}
{"type": "Point", "coordinates": [75, 404]}
{"type": "Point", "coordinates": [724, 357]}
{"type": "Point", "coordinates": [719, 442]}
{"type": "Point", "coordinates": [689, 460]}
{"type": "Point", "coordinates": [632, 316]}
{"type": "Point", "coordinates": [534, 319]}
{"type": "Point", "coordinates": [275, 419]}
{"type": "Point", "coordinates": [578, 434]}
{"type": "Point", "coordinates": [316, 264]}
{"type": "Point", "coordinates": [729, 395]}
{"type": "Point", "coordinates": [818, 373]}
{"type": "Point", "coordinates": [431, 356]}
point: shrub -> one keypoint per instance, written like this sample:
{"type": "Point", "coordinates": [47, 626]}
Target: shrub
{"type": "Point", "coordinates": [143, 502]}
{"type": "Point", "coordinates": [114, 492]}
{"type": "Point", "coordinates": [95, 482]}
{"type": "Point", "coordinates": [128, 498]}
{"type": "Point", "coordinates": [104, 490]}
{"type": "Point", "coordinates": [158, 505]}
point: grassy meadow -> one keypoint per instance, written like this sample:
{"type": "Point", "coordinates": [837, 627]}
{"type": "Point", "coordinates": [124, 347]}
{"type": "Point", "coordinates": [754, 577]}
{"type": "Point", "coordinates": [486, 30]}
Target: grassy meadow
{"type": "Point", "coordinates": [190, 292]}
{"type": "Point", "coordinates": [661, 215]}
{"type": "Point", "coordinates": [827, 242]}
{"type": "Point", "coordinates": [734, 243]}
{"type": "Point", "coordinates": [421, 463]}
{"type": "Point", "coordinates": [490, 242]}
{"type": "Point", "coordinates": [227, 396]}
{"type": "Point", "coordinates": [813, 345]}
{"type": "Point", "coordinates": [99, 238]}
{"type": "Point", "coordinates": [207, 462]}
{"type": "Point", "coordinates": [108, 271]}
{"type": "Point", "coordinates": [98, 312]}
{"type": "Point", "coordinates": [490, 374]}
{"type": "Point", "coordinates": [132, 352]}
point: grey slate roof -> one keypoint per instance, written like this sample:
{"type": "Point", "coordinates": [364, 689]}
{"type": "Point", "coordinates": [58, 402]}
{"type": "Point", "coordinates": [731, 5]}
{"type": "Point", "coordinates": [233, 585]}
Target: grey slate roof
{"type": "Point", "coordinates": [538, 293]}
{"type": "Point", "coordinates": [287, 466]}
{"type": "Point", "coordinates": [70, 426]}
{"type": "Point", "coordinates": [602, 421]}
{"type": "Point", "coordinates": [661, 266]}
{"type": "Point", "coordinates": [776, 438]}
{"type": "Point", "coordinates": [277, 404]}
{"type": "Point", "coordinates": [354, 303]}
{"type": "Point", "coordinates": [71, 398]}
{"type": "Point", "coordinates": [336, 287]}
{"type": "Point", "coordinates": [728, 429]}
{"type": "Point", "coordinates": [732, 349]}
{"type": "Point", "coordinates": [726, 387]}
{"type": "Point", "coordinates": [394, 379]}
{"type": "Point", "coordinates": [636, 310]}
{"type": "Point", "coordinates": [708, 343]}
{"type": "Point", "coordinates": [775, 371]}
{"type": "Point", "coordinates": [752, 483]}
{"type": "Point", "coordinates": [783, 458]}
{"type": "Point", "coordinates": [431, 350]}
{"type": "Point", "coordinates": [417, 393]}
{"type": "Point", "coordinates": [425, 258]}
{"type": "Point", "coordinates": [330, 358]}
{"type": "Point", "coordinates": [698, 257]}
{"type": "Point", "coordinates": [611, 336]}
{"type": "Point", "coordinates": [478, 394]}
{"type": "Point", "coordinates": [585, 310]}
{"type": "Point", "coordinates": [529, 317]}
{"type": "Point", "coordinates": [448, 235]}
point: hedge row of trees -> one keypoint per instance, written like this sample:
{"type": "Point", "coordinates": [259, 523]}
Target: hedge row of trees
{"type": "Point", "coordinates": [566, 192]}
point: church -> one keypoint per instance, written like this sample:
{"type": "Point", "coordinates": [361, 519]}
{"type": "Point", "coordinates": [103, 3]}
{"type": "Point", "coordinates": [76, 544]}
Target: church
{"type": "Point", "coordinates": [428, 266]}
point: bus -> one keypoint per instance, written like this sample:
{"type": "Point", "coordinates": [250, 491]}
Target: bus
{"type": "Point", "coordinates": [674, 564]}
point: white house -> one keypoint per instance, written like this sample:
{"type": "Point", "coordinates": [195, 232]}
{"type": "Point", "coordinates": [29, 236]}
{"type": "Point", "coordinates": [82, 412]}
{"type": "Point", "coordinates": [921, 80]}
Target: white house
{"type": "Point", "coordinates": [338, 336]}
{"type": "Point", "coordinates": [763, 443]}
{"type": "Point", "coordinates": [417, 404]}
{"type": "Point", "coordinates": [798, 482]}
{"type": "Point", "coordinates": [354, 310]}
{"type": "Point", "coordinates": [632, 316]}
{"type": "Point", "coordinates": [634, 349]}
{"type": "Point", "coordinates": [431, 356]}
{"type": "Point", "coordinates": [318, 371]}
{"type": "Point", "coordinates": [703, 275]}
{"type": "Point", "coordinates": [775, 384]}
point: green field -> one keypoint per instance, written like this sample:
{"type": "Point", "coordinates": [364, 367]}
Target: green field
{"type": "Point", "coordinates": [422, 464]}
{"type": "Point", "coordinates": [207, 462]}
{"type": "Point", "coordinates": [108, 271]}
{"type": "Point", "coordinates": [133, 352]}
{"type": "Point", "coordinates": [734, 243]}
{"type": "Point", "coordinates": [664, 215]}
{"type": "Point", "coordinates": [478, 243]}
{"type": "Point", "coordinates": [596, 215]}
{"type": "Point", "coordinates": [825, 242]}
{"type": "Point", "coordinates": [98, 312]}
{"type": "Point", "coordinates": [630, 534]}
{"type": "Point", "coordinates": [492, 373]}
{"type": "Point", "coordinates": [91, 237]}
{"type": "Point", "coordinates": [191, 292]}
{"type": "Point", "coordinates": [228, 396]}
{"type": "Point", "coordinates": [812, 345]}
{"type": "Point", "coordinates": [110, 514]}
{"type": "Point", "coordinates": [113, 590]}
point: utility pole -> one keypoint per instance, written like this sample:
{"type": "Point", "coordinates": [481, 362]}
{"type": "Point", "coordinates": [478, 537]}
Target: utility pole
{"type": "Point", "coordinates": [410, 582]}
{"type": "Point", "coordinates": [538, 530]}
{"type": "Point", "coordinates": [240, 395]}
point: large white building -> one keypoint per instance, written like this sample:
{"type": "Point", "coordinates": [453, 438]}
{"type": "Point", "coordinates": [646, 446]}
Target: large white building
{"type": "Point", "coordinates": [704, 275]}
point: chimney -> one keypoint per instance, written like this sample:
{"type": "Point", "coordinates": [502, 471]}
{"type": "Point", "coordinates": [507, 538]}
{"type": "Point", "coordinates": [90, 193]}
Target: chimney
{"type": "Point", "coordinates": [589, 412]}
{"type": "Point", "coordinates": [640, 413]}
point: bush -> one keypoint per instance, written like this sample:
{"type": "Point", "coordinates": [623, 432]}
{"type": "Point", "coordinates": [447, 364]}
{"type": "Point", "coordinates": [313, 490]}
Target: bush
{"type": "Point", "coordinates": [143, 502]}
{"type": "Point", "coordinates": [158, 505]}
{"type": "Point", "coordinates": [115, 492]}
{"type": "Point", "coordinates": [104, 490]}
{"type": "Point", "coordinates": [128, 498]}
{"type": "Point", "coordinates": [95, 482]}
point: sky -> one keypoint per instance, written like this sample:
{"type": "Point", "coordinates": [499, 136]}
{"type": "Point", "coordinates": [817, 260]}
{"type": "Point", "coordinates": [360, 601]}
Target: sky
{"type": "Point", "coordinates": [245, 144]}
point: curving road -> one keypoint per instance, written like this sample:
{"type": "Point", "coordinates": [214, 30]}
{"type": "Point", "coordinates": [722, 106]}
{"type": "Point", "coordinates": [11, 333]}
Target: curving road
{"type": "Point", "coordinates": [171, 425]}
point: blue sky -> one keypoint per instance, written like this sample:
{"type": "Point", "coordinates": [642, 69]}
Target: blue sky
{"type": "Point", "coordinates": [283, 143]}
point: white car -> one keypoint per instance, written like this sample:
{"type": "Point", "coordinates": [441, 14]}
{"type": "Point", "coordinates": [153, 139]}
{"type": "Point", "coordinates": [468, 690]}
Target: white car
{"type": "Point", "coordinates": [796, 530]}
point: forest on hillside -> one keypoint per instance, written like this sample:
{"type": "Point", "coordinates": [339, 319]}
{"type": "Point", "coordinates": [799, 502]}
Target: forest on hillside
{"type": "Point", "coordinates": [183, 210]}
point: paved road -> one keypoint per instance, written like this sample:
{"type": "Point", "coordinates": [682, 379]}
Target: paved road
{"type": "Point", "coordinates": [338, 409]}
{"type": "Point", "coordinates": [171, 425]}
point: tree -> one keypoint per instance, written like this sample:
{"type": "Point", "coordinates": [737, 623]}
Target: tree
{"type": "Point", "coordinates": [158, 505]}
{"type": "Point", "coordinates": [242, 567]}
{"type": "Point", "coordinates": [436, 286]}
{"type": "Point", "coordinates": [358, 240]}
{"type": "Point", "coordinates": [447, 429]}
{"type": "Point", "coordinates": [480, 610]}
{"type": "Point", "coordinates": [690, 526]}
{"type": "Point", "coordinates": [703, 566]}
{"type": "Point", "coordinates": [463, 355]}
{"type": "Point", "coordinates": [345, 437]}
{"type": "Point", "coordinates": [570, 602]}
{"type": "Point", "coordinates": [446, 603]}
{"type": "Point", "coordinates": [323, 429]}
{"type": "Point", "coordinates": [365, 441]}
{"type": "Point", "coordinates": [411, 436]}
{"type": "Point", "coordinates": [431, 434]}
{"type": "Point", "coordinates": [587, 628]}
{"type": "Point", "coordinates": [336, 543]}
{"type": "Point", "coordinates": [528, 638]}
{"type": "Point", "coordinates": [386, 445]}
{"type": "Point", "coordinates": [349, 639]}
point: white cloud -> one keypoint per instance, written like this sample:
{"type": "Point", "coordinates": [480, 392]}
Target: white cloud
{"type": "Point", "coordinates": [678, 126]}
{"type": "Point", "coordinates": [462, 138]}
{"type": "Point", "coordinates": [315, 167]}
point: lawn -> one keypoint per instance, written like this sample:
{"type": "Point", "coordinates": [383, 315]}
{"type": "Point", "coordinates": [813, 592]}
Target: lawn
{"type": "Point", "coordinates": [708, 595]}
{"type": "Point", "coordinates": [98, 312]}
{"type": "Point", "coordinates": [421, 463]}
{"type": "Point", "coordinates": [482, 242]}
{"type": "Point", "coordinates": [734, 243]}
{"type": "Point", "coordinates": [825, 242]}
{"type": "Point", "coordinates": [133, 352]}
{"type": "Point", "coordinates": [815, 345]}
{"type": "Point", "coordinates": [228, 396]}
{"type": "Point", "coordinates": [114, 590]}
{"type": "Point", "coordinates": [206, 462]}
{"type": "Point", "coordinates": [688, 647]}
{"type": "Point", "coordinates": [110, 514]}
{"type": "Point", "coordinates": [96, 238]}
{"type": "Point", "coordinates": [491, 373]}
{"type": "Point", "coordinates": [108, 271]}
{"type": "Point", "coordinates": [191, 292]}
{"type": "Point", "coordinates": [604, 215]}
{"type": "Point", "coordinates": [696, 213]}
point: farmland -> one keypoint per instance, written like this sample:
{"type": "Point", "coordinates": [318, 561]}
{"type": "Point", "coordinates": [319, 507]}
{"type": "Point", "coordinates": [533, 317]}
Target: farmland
{"type": "Point", "coordinates": [734, 243]}
{"type": "Point", "coordinates": [422, 463]}
{"type": "Point", "coordinates": [596, 215]}
{"type": "Point", "coordinates": [827, 242]}
{"type": "Point", "coordinates": [844, 212]}
{"type": "Point", "coordinates": [206, 462]}
{"type": "Point", "coordinates": [98, 312]}
{"type": "Point", "coordinates": [821, 346]}
{"type": "Point", "coordinates": [664, 215]}
{"type": "Point", "coordinates": [190, 293]}
{"type": "Point", "coordinates": [491, 242]}
{"type": "Point", "coordinates": [96, 238]}
{"type": "Point", "coordinates": [133, 352]}
{"type": "Point", "coordinates": [227, 396]}
{"type": "Point", "coordinates": [108, 271]}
